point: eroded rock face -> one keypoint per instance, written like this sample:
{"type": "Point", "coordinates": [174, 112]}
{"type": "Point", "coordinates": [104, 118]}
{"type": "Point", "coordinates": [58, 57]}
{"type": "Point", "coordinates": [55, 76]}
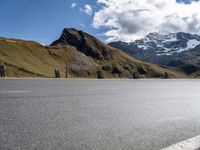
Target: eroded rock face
{"type": "Point", "coordinates": [83, 42]}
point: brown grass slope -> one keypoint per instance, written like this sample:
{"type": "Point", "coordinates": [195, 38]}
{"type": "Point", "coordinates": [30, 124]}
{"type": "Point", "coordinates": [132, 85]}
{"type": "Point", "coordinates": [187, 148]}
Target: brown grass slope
{"type": "Point", "coordinates": [83, 53]}
{"type": "Point", "coordinates": [30, 59]}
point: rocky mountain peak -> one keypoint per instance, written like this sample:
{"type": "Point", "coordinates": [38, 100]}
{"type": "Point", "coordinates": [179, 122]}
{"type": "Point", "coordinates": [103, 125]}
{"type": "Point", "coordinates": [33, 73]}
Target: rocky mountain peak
{"type": "Point", "coordinates": [70, 36]}
{"type": "Point", "coordinates": [84, 43]}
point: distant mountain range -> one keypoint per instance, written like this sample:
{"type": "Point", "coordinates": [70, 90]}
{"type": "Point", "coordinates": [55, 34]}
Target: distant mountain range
{"type": "Point", "coordinates": [180, 50]}
{"type": "Point", "coordinates": [168, 44]}
{"type": "Point", "coordinates": [83, 54]}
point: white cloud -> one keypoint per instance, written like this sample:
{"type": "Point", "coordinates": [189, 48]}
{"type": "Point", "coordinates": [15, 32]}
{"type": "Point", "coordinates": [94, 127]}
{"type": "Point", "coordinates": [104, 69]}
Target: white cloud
{"type": "Point", "coordinates": [128, 20]}
{"type": "Point", "coordinates": [73, 5]}
{"type": "Point", "coordinates": [87, 9]}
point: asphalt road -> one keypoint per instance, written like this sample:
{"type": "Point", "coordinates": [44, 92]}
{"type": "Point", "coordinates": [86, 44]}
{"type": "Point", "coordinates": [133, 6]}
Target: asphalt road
{"type": "Point", "coordinates": [46, 114]}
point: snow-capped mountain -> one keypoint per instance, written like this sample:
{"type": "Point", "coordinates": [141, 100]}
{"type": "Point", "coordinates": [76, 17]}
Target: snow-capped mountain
{"type": "Point", "coordinates": [174, 49]}
{"type": "Point", "coordinates": [168, 44]}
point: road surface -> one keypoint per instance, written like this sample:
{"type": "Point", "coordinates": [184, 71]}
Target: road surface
{"type": "Point", "coordinates": [47, 114]}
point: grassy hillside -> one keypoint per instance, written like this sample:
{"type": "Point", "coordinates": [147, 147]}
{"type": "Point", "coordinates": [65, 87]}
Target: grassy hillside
{"type": "Point", "coordinates": [30, 59]}
{"type": "Point", "coordinates": [26, 58]}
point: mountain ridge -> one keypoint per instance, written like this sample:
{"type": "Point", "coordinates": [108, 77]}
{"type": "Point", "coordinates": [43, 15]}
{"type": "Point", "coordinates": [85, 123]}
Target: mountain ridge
{"type": "Point", "coordinates": [83, 53]}
{"type": "Point", "coordinates": [174, 49]}
{"type": "Point", "coordinates": [166, 44]}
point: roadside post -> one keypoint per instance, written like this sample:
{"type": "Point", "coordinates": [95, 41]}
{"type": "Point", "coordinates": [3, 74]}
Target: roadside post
{"type": "Point", "coordinates": [66, 66]}
{"type": "Point", "coordinates": [136, 75]}
{"type": "Point", "coordinates": [166, 75]}
{"type": "Point", "coordinates": [66, 71]}
{"type": "Point", "coordinates": [3, 71]}
{"type": "Point", "coordinates": [57, 73]}
{"type": "Point", "coordinates": [100, 74]}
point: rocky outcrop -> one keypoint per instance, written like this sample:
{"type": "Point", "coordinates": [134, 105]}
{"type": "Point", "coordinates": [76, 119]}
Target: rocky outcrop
{"type": "Point", "coordinates": [83, 42]}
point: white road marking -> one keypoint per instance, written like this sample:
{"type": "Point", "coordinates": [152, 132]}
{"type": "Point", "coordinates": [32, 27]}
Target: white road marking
{"type": "Point", "coordinates": [190, 144]}
{"type": "Point", "coordinates": [14, 91]}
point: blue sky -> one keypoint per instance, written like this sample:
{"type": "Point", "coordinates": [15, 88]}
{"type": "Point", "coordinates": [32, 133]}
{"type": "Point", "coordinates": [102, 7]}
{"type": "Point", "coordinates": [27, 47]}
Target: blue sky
{"type": "Point", "coordinates": [44, 20]}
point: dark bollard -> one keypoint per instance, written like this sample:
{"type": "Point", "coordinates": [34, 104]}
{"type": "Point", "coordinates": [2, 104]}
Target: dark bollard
{"type": "Point", "coordinates": [100, 74]}
{"type": "Point", "coordinates": [136, 75]}
{"type": "Point", "coordinates": [2, 71]}
{"type": "Point", "coordinates": [166, 75]}
{"type": "Point", "coordinates": [57, 73]}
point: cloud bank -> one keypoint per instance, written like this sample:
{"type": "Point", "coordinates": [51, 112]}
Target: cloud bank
{"type": "Point", "coordinates": [127, 20]}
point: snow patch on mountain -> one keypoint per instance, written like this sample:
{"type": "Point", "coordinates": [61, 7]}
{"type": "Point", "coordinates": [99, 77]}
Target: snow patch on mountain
{"type": "Point", "coordinates": [192, 43]}
{"type": "Point", "coordinates": [173, 39]}
{"type": "Point", "coordinates": [168, 44]}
